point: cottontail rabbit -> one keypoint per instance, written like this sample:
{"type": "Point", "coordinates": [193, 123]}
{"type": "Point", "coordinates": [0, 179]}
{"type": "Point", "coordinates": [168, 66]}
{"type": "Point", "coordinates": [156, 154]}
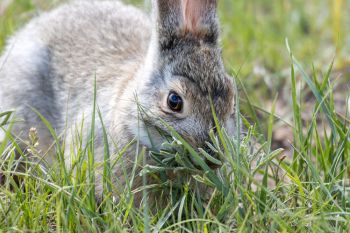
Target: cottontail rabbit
{"type": "Point", "coordinates": [168, 64]}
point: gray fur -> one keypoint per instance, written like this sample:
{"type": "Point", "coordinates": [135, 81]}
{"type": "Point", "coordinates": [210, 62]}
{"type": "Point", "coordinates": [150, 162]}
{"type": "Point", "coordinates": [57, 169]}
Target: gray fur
{"type": "Point", "coordinates": [50, 65]}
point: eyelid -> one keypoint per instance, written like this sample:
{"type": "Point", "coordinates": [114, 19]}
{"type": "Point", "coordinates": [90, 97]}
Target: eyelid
{"type": "Point", "coordinates": [178, 85]}
{"type": "Point", "coordinates": [177, 88]}
{"type": "Point", "coordinates": [177, 115]}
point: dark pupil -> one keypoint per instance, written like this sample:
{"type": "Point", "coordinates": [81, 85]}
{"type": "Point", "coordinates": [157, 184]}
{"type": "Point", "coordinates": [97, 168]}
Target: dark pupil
{"type": "Point", "coordinates": [175, 102]}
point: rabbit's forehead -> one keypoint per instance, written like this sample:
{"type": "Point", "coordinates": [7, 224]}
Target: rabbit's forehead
{"type": "Point", "coordinates": [202, 66]}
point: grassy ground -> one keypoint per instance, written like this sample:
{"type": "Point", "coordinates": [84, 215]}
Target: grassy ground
{"type": "Point", "coordinates": [301, 106]}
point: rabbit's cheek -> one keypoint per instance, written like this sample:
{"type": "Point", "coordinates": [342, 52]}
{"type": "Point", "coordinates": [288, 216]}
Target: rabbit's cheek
{"type": "Point", "coordinates": [148, 136]}
{"type": "Point", "coordinates": [230, 127]}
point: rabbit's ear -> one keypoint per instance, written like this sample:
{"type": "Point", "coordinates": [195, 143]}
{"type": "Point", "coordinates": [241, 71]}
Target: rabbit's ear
{"type": "Point", "coordinates": [199, 16]}
{"type": "Point", "coordinates": [182, 18]}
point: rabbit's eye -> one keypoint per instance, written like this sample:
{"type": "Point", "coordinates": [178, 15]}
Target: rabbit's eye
{"type": "Point", "coordinates": [175, 102]}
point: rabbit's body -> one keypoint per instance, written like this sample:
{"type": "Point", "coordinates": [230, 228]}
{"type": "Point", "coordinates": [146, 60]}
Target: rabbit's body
{"type": "Point", "coordinates": [52, 63]}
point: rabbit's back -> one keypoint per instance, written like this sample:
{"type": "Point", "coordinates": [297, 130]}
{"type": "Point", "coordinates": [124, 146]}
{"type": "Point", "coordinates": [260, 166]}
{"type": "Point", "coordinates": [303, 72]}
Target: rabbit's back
{"type": "Point", "coordinates": [55, 58]}
{"type": "Point", "coordinates": [95, 37]}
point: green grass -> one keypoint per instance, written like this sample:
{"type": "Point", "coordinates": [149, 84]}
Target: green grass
{"type": "Point", "coordinates": [259, 188]}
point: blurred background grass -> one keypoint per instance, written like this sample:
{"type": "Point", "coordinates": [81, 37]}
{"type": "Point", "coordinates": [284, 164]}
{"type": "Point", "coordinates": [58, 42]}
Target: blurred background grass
{"type": "Point", "coordinates": [253, 42]}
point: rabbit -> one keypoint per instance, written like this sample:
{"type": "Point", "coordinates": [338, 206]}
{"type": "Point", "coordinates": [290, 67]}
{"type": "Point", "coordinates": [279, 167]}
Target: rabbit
{"type": "Point", "coordinates": [167, 63]}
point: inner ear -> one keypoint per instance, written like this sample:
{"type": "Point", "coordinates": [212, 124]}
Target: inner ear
{"type": "Point", "coordinates": [191, 12]}
{"type": "Point", "coordinates": [198, 15]}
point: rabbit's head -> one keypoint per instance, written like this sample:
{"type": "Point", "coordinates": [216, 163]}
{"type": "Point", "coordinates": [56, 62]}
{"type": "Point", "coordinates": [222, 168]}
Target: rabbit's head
{"type": "Point", "coordinates": [184, 72]}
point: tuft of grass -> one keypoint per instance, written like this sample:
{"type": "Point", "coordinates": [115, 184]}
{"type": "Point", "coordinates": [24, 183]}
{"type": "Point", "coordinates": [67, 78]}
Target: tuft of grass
{"type": "Point", "coordinates": [256, 189]}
